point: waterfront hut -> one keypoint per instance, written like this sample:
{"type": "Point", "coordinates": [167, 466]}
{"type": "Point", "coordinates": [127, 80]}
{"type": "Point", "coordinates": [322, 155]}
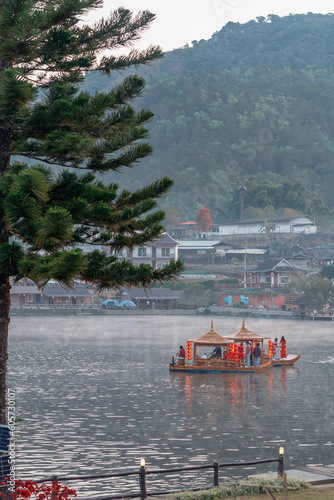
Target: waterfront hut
{"type": "Point", "coordinates": [210, 339]}
{"type": "Point", "coordinates": [245, 335]}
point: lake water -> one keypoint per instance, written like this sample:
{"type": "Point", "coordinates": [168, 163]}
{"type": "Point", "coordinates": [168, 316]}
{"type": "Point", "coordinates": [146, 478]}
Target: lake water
{"type": "Point", "coordinates": [95, 395]}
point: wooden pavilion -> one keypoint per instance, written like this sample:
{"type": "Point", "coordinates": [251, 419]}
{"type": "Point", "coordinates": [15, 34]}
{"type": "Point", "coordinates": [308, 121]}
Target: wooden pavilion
{"type": "Point", "coordinates": [218, 363]}
{"type": "Point", "coordinates": [245, 335]}
{"type": "Point", "coordinates": [210, 339]}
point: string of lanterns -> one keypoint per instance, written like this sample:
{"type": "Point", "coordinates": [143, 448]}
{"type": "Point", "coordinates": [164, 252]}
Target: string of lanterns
{"type": "Point", "coordinates": [188, 351]}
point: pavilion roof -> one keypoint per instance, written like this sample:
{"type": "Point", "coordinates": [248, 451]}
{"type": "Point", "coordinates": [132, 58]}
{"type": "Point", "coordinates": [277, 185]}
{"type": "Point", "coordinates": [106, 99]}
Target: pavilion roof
{"type": "Point", "coordinates": [243, 334]}
{"type": "Point", "coordinates": [211, 338]}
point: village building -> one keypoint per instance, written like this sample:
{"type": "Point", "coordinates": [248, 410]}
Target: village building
{"type": "Point", "coordinates": [322, 255]}
{"type": "Point", "coordinates": [189, 230]}
{"type": "Point", "coordinates": [269, 301]}
{"type": "Point", "coordinates": [273, 273]}
{"type": "Point", "coordinates": [247, 254]}
{"type": "Point", "coordinates": [157, 254]}
{"type": "Point", "coordinates": [51, 295]}
{"type": "Point", "coordinates": [281, 225]}
{"type": "Point", "coordinates": [191, 248]}
{"type": "Point", "coordinates": [154, 298]}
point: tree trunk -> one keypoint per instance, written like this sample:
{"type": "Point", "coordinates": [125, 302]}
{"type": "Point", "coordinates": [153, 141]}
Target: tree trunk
{"type": "Point", "coordinates": [5, 141]}
{"type": "Point", "coordinates": [4, 323]}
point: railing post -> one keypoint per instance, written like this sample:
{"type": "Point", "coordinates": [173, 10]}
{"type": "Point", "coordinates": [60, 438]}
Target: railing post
{"type": "Point", "coordinates": [142, 482]}
{"type": "Point", "coordinates": [53, 492]}
{"type": "Point", "coordinates": [216, 474]}
{"type": "Point", "coordinates": [280, 470]}
{"type": "Point", "coordinates": [285, 484]}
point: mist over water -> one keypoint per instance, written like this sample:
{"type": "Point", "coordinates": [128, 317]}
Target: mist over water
{"type": "Point", "coordinates": [95, 395]}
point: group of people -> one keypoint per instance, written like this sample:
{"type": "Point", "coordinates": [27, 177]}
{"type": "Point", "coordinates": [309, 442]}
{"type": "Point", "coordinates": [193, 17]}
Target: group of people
{"type": "Point", "coordinates": [249, 357]}
{"type": "Point", "coordinates": [282, 345]}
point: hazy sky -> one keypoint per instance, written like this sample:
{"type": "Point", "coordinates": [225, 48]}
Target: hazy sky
{"type": "Point", "coordinates": [182, 21]}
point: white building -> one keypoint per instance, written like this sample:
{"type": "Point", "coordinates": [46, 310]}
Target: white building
{"type": "Point", "coordinates": [157, 254]}
{"type": "Point", "coordinates": [283, 225]}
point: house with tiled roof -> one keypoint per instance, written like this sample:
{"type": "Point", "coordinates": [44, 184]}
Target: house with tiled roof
{"type": "Point", "coordinates": [157, 254]}
{"type": "Point", "coordinates": [273, 273]}
{"type": "Point", "coordinates": [50, 295]}
{"type": "Point", "coordinates": [154, 298]}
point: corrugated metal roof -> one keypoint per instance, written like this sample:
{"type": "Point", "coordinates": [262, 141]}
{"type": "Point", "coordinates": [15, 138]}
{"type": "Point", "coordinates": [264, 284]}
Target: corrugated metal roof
{"type": "Point", "coordinates": [197, 245]}
{"type": "Point", "coordinates": [248, 251]}
{"type": "Point", "coordinates": [268, 219]}
{"type": "Point", "coordinates": [52, 291]}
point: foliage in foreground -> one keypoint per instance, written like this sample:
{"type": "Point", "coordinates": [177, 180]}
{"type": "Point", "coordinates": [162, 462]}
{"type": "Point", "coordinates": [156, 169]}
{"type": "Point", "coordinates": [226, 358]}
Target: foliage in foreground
{"type": "Point", "coordinates": [225, 491]}
{"type": "Point", "coordinates": [24, 490]}
{"type": "Point", "coordinates": [56, 223]}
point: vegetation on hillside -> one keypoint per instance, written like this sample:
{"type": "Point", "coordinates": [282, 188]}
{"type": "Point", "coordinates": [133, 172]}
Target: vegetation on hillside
{"type": "Point", "coordinates": [257, 99]}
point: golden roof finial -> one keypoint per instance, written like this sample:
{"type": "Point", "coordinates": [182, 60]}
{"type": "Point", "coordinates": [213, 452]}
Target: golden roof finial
{"type": "Point", "coordinates": [243, 323]}
{"type": "Point", "coordinates": [212, 325]}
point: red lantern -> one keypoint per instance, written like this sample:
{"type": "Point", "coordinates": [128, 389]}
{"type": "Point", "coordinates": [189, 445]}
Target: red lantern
{"type": "Point", "coordinates": [188, 351]}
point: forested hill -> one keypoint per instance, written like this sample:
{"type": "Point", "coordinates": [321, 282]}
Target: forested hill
{"type": "Point", "coordinates": [257, 99]}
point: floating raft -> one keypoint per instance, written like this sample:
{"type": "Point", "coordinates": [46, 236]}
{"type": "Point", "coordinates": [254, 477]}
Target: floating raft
{"type": "Point", "coordinates": [218, 366]}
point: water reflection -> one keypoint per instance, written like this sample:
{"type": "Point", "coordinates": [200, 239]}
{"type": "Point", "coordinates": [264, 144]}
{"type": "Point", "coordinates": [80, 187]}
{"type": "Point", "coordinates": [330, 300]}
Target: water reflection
{"type": "Point", "coordinates": [96, 395]}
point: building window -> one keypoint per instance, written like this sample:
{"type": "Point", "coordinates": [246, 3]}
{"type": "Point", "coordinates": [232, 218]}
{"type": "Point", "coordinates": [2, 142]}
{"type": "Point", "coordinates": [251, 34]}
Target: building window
{"type": "Point", "coordinates": [141, 252]}
{"type": "Point", "coordinates": [165, 252]}
{"type": "Point", "coordinates": [268, 279]}
{"type": "Point", "coordinates": [29, 298]}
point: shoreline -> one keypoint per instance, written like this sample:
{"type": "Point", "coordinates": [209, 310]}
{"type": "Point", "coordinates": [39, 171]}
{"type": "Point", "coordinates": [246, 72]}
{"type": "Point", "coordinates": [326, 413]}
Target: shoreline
{"type": "Point", "coordinates": [17, 311]}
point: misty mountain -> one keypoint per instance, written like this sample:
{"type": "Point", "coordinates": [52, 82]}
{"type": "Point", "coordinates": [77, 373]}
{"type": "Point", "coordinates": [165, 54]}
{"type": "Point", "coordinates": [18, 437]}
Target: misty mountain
{"type": "Point", "coordinates": [257, 99]}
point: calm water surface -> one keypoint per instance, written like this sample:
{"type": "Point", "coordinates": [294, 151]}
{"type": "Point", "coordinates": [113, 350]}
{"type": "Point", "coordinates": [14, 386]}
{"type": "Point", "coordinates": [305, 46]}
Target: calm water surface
{"type": "Point", "coordinates": [95, 394]}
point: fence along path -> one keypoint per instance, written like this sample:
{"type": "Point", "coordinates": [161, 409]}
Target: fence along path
{"type": "Point", "coordinates": [143, 472]}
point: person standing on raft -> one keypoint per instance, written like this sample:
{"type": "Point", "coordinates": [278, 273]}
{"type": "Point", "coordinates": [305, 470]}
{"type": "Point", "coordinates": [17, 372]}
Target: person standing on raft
{"type": "Point", "coordinates": [282, 345]}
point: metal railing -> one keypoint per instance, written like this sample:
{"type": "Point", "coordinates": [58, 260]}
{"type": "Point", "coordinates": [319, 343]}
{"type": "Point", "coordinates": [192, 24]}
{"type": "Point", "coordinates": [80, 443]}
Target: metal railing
{"type": "Point", "coordinates": [143, 472]}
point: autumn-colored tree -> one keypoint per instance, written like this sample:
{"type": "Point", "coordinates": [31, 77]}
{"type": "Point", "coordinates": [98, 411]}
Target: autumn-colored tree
{"type": "Point", "coordinates": [203, 219]}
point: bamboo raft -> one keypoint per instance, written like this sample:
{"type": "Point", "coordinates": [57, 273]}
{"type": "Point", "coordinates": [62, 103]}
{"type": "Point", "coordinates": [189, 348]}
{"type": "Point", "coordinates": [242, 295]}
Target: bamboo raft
{"type": "Point", "coordinates": [221, 364]}
{"type": "Point", "coordinates": [217, 366]}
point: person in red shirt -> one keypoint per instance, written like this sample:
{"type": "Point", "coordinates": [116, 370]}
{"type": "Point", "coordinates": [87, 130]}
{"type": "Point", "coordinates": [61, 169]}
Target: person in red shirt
{"type": "Point", "coordinates": [181, 353]}
{"type": "Point", "coordinates": [282, 345]}
{"type": "Point", "coordinates": [241, 354]}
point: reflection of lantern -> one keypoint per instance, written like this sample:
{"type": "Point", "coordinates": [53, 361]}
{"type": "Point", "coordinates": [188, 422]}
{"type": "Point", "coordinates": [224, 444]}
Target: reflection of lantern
{"type": "Point", "coordinates": [188, 350]}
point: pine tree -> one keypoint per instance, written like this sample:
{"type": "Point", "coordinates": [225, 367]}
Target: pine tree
{"type": "Point", "coordinates": [55, 203]}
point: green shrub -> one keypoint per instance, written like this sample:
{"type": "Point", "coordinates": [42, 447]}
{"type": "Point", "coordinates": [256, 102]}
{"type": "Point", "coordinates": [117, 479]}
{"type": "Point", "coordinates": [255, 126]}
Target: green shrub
{"type": "Point", "coordinates": [240, 305]}
{"type": "Point", "coordinates": [248, 488]}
